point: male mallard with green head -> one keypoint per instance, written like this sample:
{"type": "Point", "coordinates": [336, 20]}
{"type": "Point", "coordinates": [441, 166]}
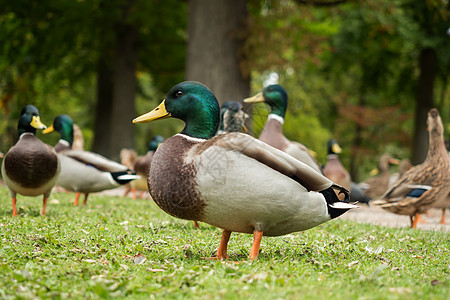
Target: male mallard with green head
{"type": "Point", "coordinates": [64, 125]}
{"type": "Point", "coordinates": [83, 171]}
{"type": "Point", "coordinates": [276, 97]}
{"type": "Point", "coordinates": [30, 167]}
{"type": "Point", "coordinates": [426, 185]}
{"type": "Point", "coordinates": [233, 181]}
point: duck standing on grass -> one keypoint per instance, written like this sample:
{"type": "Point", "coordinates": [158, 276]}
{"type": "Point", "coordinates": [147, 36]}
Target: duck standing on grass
{"type": "Point", "coordinates": [83, 171]}
{"type": "Point", "coordinates": [30, 167]}
{"type": "Point", "coordinates": [276, 97]}
{"type": "Point", "coordinates": [426, 185]}
{"type": "Point", "coordinates": [233, 181]}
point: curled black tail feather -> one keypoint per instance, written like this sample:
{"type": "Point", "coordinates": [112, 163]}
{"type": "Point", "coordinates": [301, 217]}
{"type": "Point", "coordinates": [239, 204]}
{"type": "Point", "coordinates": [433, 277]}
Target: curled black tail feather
{"type": "Point", "coordinates": [331, 198]}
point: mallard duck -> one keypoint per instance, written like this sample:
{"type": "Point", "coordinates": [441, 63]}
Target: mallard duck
{"type": "Point", "coordinates": [64, 125]}
{"type": "Point", "coordinates": [333, 169]}
{"type": "Point", "coordinates": [376, 185]}
{"type": "Point", "coordinates": [232, 117]}
{"type": "Point", "coordinates": [233, 181]}
{"type": "Point", "coordinates": [30, 167]}
{"type": "Point", "coordinates": [276, 97]}
{"type": "Point", "coordinates": [426, 185]}
{"type": "Point", "coordinates": [83, 171]}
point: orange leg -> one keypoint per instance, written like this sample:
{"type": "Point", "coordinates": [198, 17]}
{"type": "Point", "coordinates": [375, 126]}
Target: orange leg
{"type": "Point", "coordinates": [14, 200]}
{"type": "Point", "coordinates": [77, 197]}
{"type": "Point", "coordinates": [420, 219]}
{"type": "Point", "coordinates": [85, 198]}
{"type": "Point", "coordinates": [196, 224]}
{"type": "Point", "coordinates": [257, 236]}
{"type": "Point", "coordinates": [133, 193]}
{"type": "Point", "coordinates": [222, 251]}
{"type": "Point", "coordinates": [414, 220]}
{"type": "Point", "coordinates": [442, 221]}
{"type": "Point", "coordinates": [43, 207]}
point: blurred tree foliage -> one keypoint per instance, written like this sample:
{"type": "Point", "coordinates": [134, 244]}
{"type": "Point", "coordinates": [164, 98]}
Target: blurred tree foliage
{"type": "Point", "coordinates": [351, 69]}
{"type": "Point", "coordinates": [354, 67]}
{"type": "Point", "coordinates": [49, 53]}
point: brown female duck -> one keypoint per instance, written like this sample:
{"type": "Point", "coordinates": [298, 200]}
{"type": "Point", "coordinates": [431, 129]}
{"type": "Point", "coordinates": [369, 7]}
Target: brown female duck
{"type": "Point", "coordinates": [375, 186]}
{"type": "Point", "coordinates": [426, 185]}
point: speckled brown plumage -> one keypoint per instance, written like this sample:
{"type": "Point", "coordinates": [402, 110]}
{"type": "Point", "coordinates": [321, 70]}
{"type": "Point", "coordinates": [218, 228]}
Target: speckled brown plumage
{"type": "Point", "coordinates": [171, 180]}
{"type": "Point", "coordinates": [433, 172]}
{"type": "Point", "coordinates": [31, 163]}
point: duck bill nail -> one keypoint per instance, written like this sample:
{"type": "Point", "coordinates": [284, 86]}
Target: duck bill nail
{"type": "Point", "coordinates": [48, 129]}
{"type": "Point", "coordinates": [159, 112]}
{"type": "Point", "coordinates": [257, 98]}
{"type": "Point", "coordinates": [36, 123]}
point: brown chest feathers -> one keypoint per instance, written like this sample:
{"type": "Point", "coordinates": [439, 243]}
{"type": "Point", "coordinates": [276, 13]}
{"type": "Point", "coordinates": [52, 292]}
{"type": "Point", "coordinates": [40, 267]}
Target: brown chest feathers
{"type": "Point", "coordinates": [171, 181]}
{"type": "Point", "coordinates": [31, 163]}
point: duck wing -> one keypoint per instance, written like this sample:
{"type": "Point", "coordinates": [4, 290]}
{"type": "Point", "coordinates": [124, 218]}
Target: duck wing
{"type": "Point", "coordinates": [273, 158]}
{"type": "Point", "coordinates": [96, 160]}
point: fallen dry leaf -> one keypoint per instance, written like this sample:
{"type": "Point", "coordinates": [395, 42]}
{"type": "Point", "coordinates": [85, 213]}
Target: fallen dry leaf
{"type": "Point", "coordinates": [139, 259]}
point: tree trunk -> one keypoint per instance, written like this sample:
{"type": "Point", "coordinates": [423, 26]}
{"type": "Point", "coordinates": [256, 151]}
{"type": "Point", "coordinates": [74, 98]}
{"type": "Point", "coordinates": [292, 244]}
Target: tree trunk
{"type": "Point", "coordinates": [102, 137]}
{"type": "Point", "coordinates": [216, 32]}
{"type": "Point", "coordinates": [123, 108]}
{"type": "Point", "coordinates": [424, 102]}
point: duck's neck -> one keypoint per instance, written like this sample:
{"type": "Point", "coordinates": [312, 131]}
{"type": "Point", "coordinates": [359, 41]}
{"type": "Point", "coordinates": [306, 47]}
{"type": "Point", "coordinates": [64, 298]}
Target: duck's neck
{"type": "Point", "coordinates": [276, 117]}
{"type": "Point", "coordinates": [67, 137]}
{"type": "Point", "coordinates": [202, 126]}
{"type": "Point", "coordinates": [25, 133]}
{"type": "Point", "coordinates": [436, 147]}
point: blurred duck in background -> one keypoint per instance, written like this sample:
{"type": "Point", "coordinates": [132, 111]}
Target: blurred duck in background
{"type": "Point", "coordinates": [141, 165]}
{"type": "Point", "coordinates": [333, 169]}
{"type": "Point", "coordinates": [375, 186]}
{"type": "Point", "coordinates": [84, 171]}
{"type": "Point", "coordinates": [30, 167]}
{"type": "Point", "coordinates": [426, 185]}
{"type": "Point", "coordinates": [276, 97]}
{"type": "Point", "coordinates": [232, 117]}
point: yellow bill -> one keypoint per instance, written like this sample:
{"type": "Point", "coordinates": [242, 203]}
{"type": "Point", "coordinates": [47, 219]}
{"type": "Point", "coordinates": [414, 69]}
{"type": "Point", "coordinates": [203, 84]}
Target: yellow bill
{"type": "Point", "coordinates": [36, 123]}
{"type": "Point", "coordinates": [374, 172]}
{"type": "Point", "coordinates": [49, 129]}
{"type": "Point", "coordinates": [257, 98]}
{"type": "Point", "coordinates": [336, 148]}
{"type": "Point", "coordinates": [159, 112]}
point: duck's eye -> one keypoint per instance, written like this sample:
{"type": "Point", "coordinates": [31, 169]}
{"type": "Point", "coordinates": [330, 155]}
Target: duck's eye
{"type": "Point", "coordinates": [178, 93]}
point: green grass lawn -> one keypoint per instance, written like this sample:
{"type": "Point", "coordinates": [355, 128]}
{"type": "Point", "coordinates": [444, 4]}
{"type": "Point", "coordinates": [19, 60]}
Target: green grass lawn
{"type": "Point", "coordinates": [115, 247]}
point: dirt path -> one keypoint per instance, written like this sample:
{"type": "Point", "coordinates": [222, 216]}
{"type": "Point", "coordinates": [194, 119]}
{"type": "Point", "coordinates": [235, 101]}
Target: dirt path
{"type": "Point", "coordinates": [378, 216]}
